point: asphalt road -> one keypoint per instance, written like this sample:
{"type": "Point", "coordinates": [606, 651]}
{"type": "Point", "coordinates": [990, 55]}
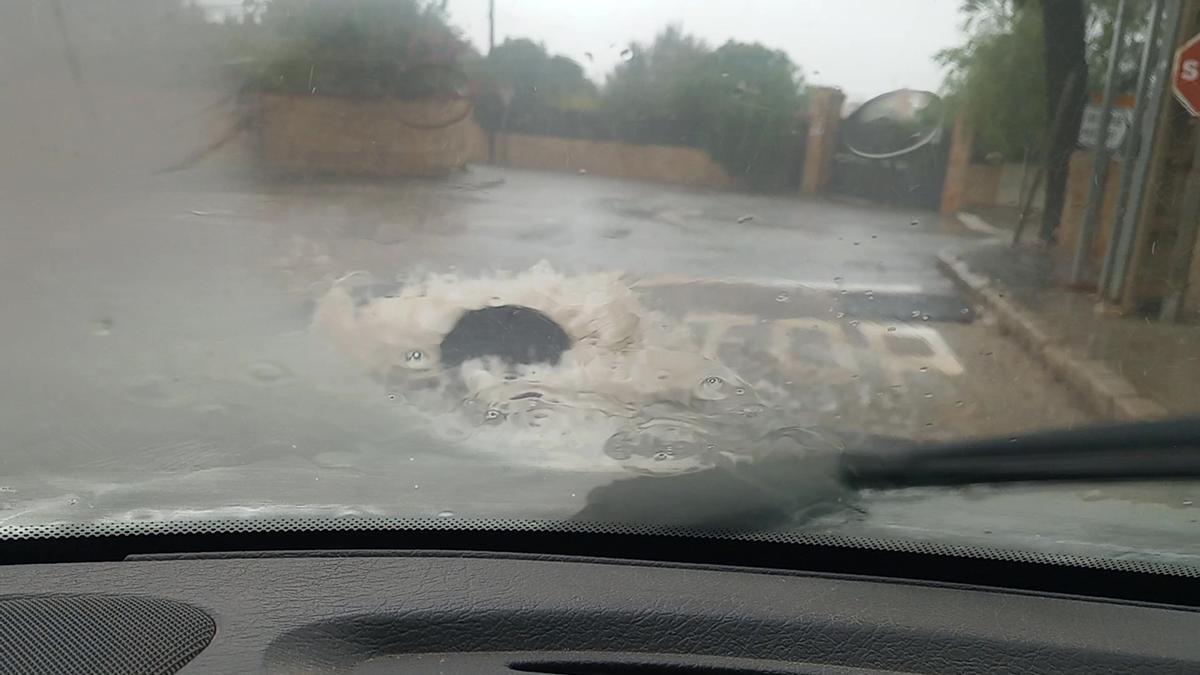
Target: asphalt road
{"type": "Point", "coordinates": [161, 360]}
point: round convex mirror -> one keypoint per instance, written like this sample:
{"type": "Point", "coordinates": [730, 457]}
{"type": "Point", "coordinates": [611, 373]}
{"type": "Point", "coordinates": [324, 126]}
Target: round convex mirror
{"type": "Point", "coordinates": [894, 124]}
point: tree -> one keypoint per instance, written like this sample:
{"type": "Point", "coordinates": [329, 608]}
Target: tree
{"type": "Point", "coordinates": [395, 48]}
{"type": "Point", "coordinates": [524, 88]}
{"type": "Point", "coordinates": [997, 80]}
{"type": "Point", "coordinates": [1064, 52]}
{"type": "Point", "coordinates": [653, 97]}
{"type": "Point", "coordinates": [740, 102]}
{"type": "Point", "coordinates": [753, 108]}
{"type": "Point", "coordinates": [1018, 51]}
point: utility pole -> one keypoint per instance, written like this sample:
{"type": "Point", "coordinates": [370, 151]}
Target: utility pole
{"type": "Point", "coordinates": [491, 26]}
{"type": "Point", "coordinates": [491, 134]}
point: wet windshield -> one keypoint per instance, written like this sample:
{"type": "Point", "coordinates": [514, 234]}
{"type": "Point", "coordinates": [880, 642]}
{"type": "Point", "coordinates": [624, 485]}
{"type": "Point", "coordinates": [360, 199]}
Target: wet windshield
{"type": "Point", "coordinates": [468, 259]}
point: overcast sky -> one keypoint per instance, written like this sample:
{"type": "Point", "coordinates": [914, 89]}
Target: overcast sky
{"type": "Point", "coordinates": [866, 47]}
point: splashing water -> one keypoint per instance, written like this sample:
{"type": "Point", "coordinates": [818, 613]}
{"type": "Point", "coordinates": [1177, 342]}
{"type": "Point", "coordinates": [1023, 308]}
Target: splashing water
{"type": "Point", "coordinates": [629, 390]}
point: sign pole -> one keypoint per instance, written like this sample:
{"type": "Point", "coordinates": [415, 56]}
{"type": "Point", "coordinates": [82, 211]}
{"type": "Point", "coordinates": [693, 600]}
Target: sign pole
{"type": "Point", "coordinates": [1100, 156]}
{"type": "Point", "coordinates": [1147, 163]}
{"type": "Point", "coordinates": [1186, 85]}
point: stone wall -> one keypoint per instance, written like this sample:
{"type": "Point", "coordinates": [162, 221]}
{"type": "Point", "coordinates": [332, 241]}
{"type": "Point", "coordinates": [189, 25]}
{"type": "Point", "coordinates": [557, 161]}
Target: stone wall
{"type": "Point", "coordinates": [408, 138]}
{"type": "Point", "coordinates": [378, 137]}
{"type": "Point", "coordinates": [970, 183]}
{"type": "Point", "coordinates": [1079, 182]}
{"type": "Point", "coordinates": [657, 163]}
{"type": "Point", "coordinates": [996, 185]}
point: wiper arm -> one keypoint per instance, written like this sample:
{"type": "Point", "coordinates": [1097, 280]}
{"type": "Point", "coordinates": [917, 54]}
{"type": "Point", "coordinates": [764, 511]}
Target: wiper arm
{"type": "Point", "coordinates": [1125, 452]}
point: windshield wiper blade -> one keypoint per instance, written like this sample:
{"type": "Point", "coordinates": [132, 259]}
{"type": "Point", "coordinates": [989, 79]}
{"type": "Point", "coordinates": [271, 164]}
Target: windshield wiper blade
{"type": "Point", "coordinates": [1125, 452]}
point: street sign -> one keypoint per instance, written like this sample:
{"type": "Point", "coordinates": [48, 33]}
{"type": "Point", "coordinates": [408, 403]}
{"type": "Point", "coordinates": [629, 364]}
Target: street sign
{"type": "Point", "coordinates": [1120, 119]}
{"type": "Point", "coordinates": [1186, 79]}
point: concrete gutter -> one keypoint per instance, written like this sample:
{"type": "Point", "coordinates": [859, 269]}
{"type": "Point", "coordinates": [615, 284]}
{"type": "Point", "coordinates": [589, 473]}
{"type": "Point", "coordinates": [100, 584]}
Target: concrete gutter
{"type": "Point", "coordinates": [1099, 386]}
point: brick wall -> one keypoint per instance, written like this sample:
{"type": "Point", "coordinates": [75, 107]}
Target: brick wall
{"type": "Point", "coordinates": [378, 137]}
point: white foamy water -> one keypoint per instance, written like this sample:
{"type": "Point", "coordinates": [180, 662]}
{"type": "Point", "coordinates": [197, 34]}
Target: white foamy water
{"type": "Point", "coordinates": [630, 390]}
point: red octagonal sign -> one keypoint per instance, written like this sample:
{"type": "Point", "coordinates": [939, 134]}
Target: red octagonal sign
{"type": "Point", "coordinates": [1186, 81]}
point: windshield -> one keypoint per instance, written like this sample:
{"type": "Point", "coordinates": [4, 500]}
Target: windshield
{"type": "Point", "coordinates": [472, 259]}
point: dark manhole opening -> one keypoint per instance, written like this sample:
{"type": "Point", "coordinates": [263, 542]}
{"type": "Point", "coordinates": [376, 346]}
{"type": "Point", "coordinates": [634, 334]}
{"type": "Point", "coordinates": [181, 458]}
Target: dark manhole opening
{"type": "Point", "coordinates": [512, 333]}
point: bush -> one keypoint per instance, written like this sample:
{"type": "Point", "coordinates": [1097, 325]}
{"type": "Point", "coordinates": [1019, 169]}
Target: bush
{"type": "Point", "coordinates": [372, 48]}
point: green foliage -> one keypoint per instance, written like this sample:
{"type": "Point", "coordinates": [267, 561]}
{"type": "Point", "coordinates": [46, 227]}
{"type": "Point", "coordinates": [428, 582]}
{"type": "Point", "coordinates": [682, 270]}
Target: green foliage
{"type": "Point", "coordinates": [400, 48]}
{"type": "Point", "coordinates": [740, 102]}
{"type": "Point", "coordinates": [655, 96]}
{"type": "Point", "coordinates": [1102, 17]}
{"type": "Point", "coordinates": [546, 94]}
{"type": "Point", "coordinates": [530, 72]}
{"type": "Point", "coordinates": [997, 77]}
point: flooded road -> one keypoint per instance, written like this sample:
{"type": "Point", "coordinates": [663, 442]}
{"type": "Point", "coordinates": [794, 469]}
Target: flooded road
{"type": "Point", "coordinates": [165, 357]}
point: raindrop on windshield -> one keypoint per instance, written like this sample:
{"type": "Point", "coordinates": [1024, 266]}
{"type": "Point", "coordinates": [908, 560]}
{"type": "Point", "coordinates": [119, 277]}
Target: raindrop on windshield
{"type": "Point", "coordinates": [627, 54]}
{"type": "Point", "coordinates": [923, 369]}
{"type": "Point", "coordinates": [782, 297]}
{"type": "Point", "coordinates": [266, 371]}
{"type": "Point", "coordinates": [445, 514]}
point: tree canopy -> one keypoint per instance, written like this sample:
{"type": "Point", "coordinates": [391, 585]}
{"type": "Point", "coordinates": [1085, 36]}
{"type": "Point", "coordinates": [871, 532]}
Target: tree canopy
{"type": "Point", "coordinates": [997, 77]}
{"type": "Point", "coordinates": [741, 102]}
{"type": "Point", "coordinates": [402, 48]}
{"type": "Point", "coordinates": [522, 87]}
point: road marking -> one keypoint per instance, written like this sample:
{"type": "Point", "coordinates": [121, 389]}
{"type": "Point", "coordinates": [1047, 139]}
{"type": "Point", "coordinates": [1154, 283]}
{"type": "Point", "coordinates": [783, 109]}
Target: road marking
{"type": "Point", "coordinates": [881, 343]}
{"type": "Point", "coordinates": [718, 326]}
{"type": "Point", "coordinates": [777, 283]}
{"type": "Point", "coordinates": [974, 222]}
{"type": "Point", "coordinates": [941, 358]}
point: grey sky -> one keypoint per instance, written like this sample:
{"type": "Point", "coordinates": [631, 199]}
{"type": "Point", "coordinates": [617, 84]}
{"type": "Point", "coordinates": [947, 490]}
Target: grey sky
{"type": "Point", "coordinates": [865, 47]}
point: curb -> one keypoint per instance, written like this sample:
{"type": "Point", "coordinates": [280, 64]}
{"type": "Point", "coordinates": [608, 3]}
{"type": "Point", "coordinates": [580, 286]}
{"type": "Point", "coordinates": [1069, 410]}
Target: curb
{"type": "Point", "coordinates": [1101, 388]}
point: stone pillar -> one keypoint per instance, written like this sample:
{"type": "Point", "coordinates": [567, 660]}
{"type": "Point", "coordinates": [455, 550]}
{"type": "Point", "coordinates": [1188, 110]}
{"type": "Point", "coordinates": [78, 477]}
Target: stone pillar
{"type": "Point", "coordinates": [954, 187]}
{"type": "Point", "coordinates": [1079, 183]}
{"type": "Point", "coordinates": [824, 118]}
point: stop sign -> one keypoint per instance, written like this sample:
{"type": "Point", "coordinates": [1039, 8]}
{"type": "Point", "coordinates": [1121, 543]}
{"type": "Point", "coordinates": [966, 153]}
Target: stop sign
{"type": "Point", "coordinates": [1186, 79]}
